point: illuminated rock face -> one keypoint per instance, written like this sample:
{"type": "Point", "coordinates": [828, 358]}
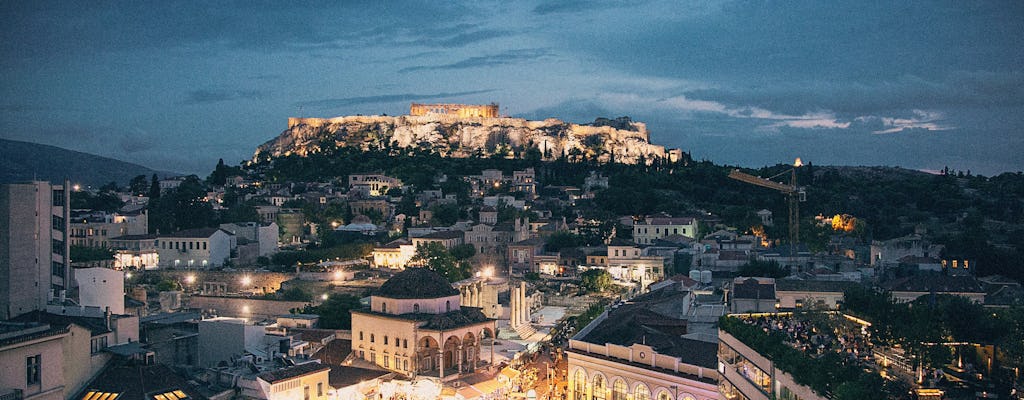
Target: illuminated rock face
{"type": "Point", "coordinates": [456, 136]}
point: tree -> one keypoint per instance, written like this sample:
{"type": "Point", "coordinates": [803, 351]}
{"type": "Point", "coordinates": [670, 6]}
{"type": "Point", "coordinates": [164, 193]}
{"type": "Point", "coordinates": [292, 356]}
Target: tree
{"type": "Point", "coordinates": [296, 293]}
{"type": "Point", "coordinates": [595, 280]}
{"type": "Point", "coordinates": [138, 185]}
{"type": "Point", "coordinates": [561, 240]}
{"type": "Point", "coordinates": [767, 269]}
{"type": "Point", "coordinates": [168, 285]}
{"type": "Point", "coordinates": [463, 251]}
{"type": "Point", "coordinates": [435, 257]}
{"type": "Point", "coordinates": [154, 187]}
{"type": "Point", "coordinates": [336, 311]}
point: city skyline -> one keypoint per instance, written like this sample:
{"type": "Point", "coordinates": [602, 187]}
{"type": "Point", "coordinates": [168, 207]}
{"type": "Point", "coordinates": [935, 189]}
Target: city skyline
{"type": "Point", "coordinates": [176, 86]}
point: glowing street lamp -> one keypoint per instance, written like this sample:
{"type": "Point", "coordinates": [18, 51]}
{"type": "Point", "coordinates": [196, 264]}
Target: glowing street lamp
{"type": "Point", "coordinates": [324, 296]}
{"type": "Point", "coordinates": [246, 281]}
{"type": "Point", "coordinates": [190, 279]}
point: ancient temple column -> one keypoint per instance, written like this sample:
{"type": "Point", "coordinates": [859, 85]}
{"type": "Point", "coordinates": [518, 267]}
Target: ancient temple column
{"type": "Point", "coordinates": [440, 363]}
{"type": "Point", "coordinates": [493, 338]}
{"type": "Point", "coordinates": [523, 305]}
{"type": "Point", "coordinates": [513, 307]}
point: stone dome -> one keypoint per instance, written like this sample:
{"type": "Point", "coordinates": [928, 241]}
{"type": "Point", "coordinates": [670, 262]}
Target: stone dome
{"type": "Point", "coordinates": [417, 283]}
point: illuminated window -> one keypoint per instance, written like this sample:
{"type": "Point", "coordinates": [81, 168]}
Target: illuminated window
{"type": "Point", "coordinates": [642, 392]}
{"type": "Point", "coordinates": [619, 390]}
{"type": "Point", "coordinates": [599, 388]}
{"type": "Point", "coordinates": [32, 365]}
{"type": "Point", "coordinates": [580, 382]}
{"type": "Point", "coordinates": [174, 395]}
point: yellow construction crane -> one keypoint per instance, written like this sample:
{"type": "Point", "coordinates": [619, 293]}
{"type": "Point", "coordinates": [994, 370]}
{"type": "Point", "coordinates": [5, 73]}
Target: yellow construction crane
{"type": "Point", "coordinates": [794, 193]}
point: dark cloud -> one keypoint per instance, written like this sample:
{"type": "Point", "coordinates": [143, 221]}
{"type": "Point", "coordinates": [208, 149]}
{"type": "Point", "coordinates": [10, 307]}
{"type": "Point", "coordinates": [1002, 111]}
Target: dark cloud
{"type": "Point", "coordinates": [208, 96]}
{"type": "Point", "coordinates": [577, 6]}
{"type": "Point", "coordinates": [387, 98]}
{"type": "Point", "coordinates": [506, 58]}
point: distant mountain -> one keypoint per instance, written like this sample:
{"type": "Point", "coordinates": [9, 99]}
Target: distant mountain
{"type": "Point", "coordinates": [23, 161]}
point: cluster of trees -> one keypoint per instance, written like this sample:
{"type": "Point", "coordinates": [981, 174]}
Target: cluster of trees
{"type": "Point", "coordinates": [335, 312]}
{"type": "Point", "coordinates": [938, 319]}
{"type": "Point", "coordinates": [452, 264]}
{"type": "Point", "coordinates": [595, 281]}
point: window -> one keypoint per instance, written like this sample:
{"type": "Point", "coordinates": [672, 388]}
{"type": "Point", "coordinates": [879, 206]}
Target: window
{"type": "Point", "coordinates": [599, 388]}
{"type": "Point", "coordinates": [642, 392]}
{"type": "Point", "coordinates": [385, 339]}
{"type": "Point", "coordinates": [405, 343]}
{"type": "Point", "coordinates": [204, 245]}
{"type": "Point", "coordinates": [32, 365]}
{"type": "Point", "coordinates": [360, 335]}
{"type": "Point", "coordinates": [384, 309]}
{"type": "Point", "coordinates": [619, 390]}
{"type": "Point", "coordinates": [416, 308]}
{"type": "Point", "coordinates": [58, 223]}
{"type": "Point", "coordinates": [319, 389]}
{"type": "Point", "coordinates": [58, 197]}
{"type": "Point", "coordinates": [580, 384]}
{"type": "Point", "coordinates": [57, 269]}
{"type": "Point", "coordinates": [447, 306]}
{"type": "Point", "coordinates": [305, 392]}
{"type": "Point", "coordinates": [371, 338]}
{"type": "Point", "coordinates": [405, 365]}
{"type": "Point", "coordinates": [387, 362]}
{"type": "Point", "coordinates": [97, 344]}
{"type": "Point", "coordinates": [58, 246]}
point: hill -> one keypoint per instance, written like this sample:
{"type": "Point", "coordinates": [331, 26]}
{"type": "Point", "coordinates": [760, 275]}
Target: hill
{"type": "Point", "coordinates": [621, 139]}
{"type": "Point", "coordinates": [23, 161]}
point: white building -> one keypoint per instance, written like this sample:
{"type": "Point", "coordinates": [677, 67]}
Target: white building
{"type": "Point", "coordinates": [650, 229]}
{"type": "Point", "coordinates": [101, 287]}
{"type": "Point", "coordinates": [265, 235]}
{"type": "Point", "coordinates": [34, 246]}
{"type": "Point", "coordinates": [372, 184]}
{"type": "Point", "coordinates": [195, 248]}
{"type": "Point", "coordinates": [96, 228]}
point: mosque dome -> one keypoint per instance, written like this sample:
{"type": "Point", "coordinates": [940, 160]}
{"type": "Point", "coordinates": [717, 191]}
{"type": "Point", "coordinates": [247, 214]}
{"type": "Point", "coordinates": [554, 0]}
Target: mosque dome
{"type": "Point", "coordinates": [417, 283]}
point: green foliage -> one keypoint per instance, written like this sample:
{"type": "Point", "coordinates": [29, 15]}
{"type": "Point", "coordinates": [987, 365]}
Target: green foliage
{"type": "Point", "coordinates": [531, 276]}
{"type": "Point", "coordinates": [589, 315]}
{"type": "Point", "coordinates": [181, 208]}
{"type": "Point", "coordinates": [345, 251]}
{"type": "Point", "coordinates": [435, 257]}
{"type": "Point", "coordinates": [103, 201]}
{"type": "Point", "coordinates": [463, 251]}
{"type": "Point", "coordinates": [296, 294]}
{"type": "Point", "coordinates": [830, 373]}
{"type": "Point", "coordinates": [336, 311]}
{"type": "Point", "coordinates": [445, 214]}
{"type": "Point", "coordinates": [168, 285]}
{"type": "Point", "coordinates": [767, 269]}
{"type": "Point", "coordinates": [139, 185]}
{"type": "Point", "coordinates": [562, 240]}
{"type": "Point", "coordinates": [84, 253]}
{"type": "Point", "coordinates": [595, 280]}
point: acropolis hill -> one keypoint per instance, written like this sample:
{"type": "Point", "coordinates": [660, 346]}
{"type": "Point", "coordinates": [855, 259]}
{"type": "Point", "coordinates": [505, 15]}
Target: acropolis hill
{"type": "Point", "coordinates": [461, 130]}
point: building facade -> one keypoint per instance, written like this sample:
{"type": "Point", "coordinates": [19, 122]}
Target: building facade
{"type": "Point", "coordinates": [34, 246]}
{"type": "Point", "coordinates": [195, 248]}
{"type": "Point", "coordinates": [415, 325]}
{"type": "Point", "coordinates": [650, 229]}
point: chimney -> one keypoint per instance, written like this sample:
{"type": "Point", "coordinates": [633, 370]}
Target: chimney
{"type": "Point", "coordinates": [106, 316]}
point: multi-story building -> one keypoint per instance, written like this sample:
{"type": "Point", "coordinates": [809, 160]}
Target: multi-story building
{"type": "Point", "coordinates": [372, 184]}
{"type": "Point", "coordinates": [34, 246]}
{"type": "Point", "coordinates": [97, 228]}
{"type": "Point", "coordinates": [650, 229]}
{"type": "Point", "coordinates": [416, 325]}
{"type": "Point", "coordinates": [638, 350]}
{"type": "Point", "coordinates": [32, 361]}
{"type": "Point", "coordinates": [195, 248]}
{"type": "Point", "coordinates": [135, 251]}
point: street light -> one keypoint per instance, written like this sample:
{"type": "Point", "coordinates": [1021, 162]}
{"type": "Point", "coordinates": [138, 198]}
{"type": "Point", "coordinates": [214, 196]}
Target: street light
{"type": "Point", "coordinates": [190, 279]}
{"type": "Point", "coordinates": [246, 281]}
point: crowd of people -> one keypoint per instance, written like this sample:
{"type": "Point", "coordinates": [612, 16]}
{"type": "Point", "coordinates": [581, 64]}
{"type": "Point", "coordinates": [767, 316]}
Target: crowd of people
{"type": "Point", "coordinates": [817, 337]}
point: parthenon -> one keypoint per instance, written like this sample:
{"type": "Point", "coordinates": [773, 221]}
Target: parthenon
{"type": "Point", "coordinates": [460, 110]}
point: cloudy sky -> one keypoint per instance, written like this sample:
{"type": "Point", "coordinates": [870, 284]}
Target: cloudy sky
{"type": "Point", "coordinates": [177, 85]}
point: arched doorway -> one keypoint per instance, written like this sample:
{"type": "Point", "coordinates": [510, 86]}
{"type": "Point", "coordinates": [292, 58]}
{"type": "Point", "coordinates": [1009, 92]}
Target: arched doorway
{"type": "Point", "coordinates": [427, 350]}
{"type": "Point", "coordinates": [470, 352]}
{"type": "Point", "coordinates": [450, 354]}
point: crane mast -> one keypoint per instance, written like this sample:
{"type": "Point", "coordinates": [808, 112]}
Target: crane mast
{"type": "Point", "coordinates": [794, 195]}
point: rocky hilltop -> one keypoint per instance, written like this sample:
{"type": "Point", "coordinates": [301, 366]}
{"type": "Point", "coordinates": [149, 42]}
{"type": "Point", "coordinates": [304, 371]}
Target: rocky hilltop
{"type": "Point", "coordinates": [619, 140]}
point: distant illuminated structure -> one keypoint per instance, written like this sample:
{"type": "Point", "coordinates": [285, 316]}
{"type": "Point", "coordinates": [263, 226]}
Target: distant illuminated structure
{"type": "Point", "coordinates": [459, 110]}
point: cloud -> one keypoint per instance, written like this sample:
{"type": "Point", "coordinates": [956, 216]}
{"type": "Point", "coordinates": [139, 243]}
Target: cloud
{"type": "Point", "coordinates": [209, 96]}
{"type": "Point", "coordinates": [505, 58]}
{"type": "Point", "coordinates": [387, 98]}
{"type": "Point", "coordinates": [921, 120]}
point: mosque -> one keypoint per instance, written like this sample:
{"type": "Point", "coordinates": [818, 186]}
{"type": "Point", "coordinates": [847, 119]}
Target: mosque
{"type": "Point", "coordinates": [415, 326]}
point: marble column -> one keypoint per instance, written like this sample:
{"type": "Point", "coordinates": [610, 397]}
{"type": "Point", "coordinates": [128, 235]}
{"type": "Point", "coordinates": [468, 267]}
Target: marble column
{"type": "Point", "coordinates": [513, 307]}
{"type": "Point", "coordinates": [523, 305]}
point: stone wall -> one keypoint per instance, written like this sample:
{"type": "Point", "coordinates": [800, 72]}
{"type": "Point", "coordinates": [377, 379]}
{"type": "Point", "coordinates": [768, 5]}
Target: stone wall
{"type": "Point", "coordinates": [232, 282]}
{"type": "Point", "coordinates": [244, 307]}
